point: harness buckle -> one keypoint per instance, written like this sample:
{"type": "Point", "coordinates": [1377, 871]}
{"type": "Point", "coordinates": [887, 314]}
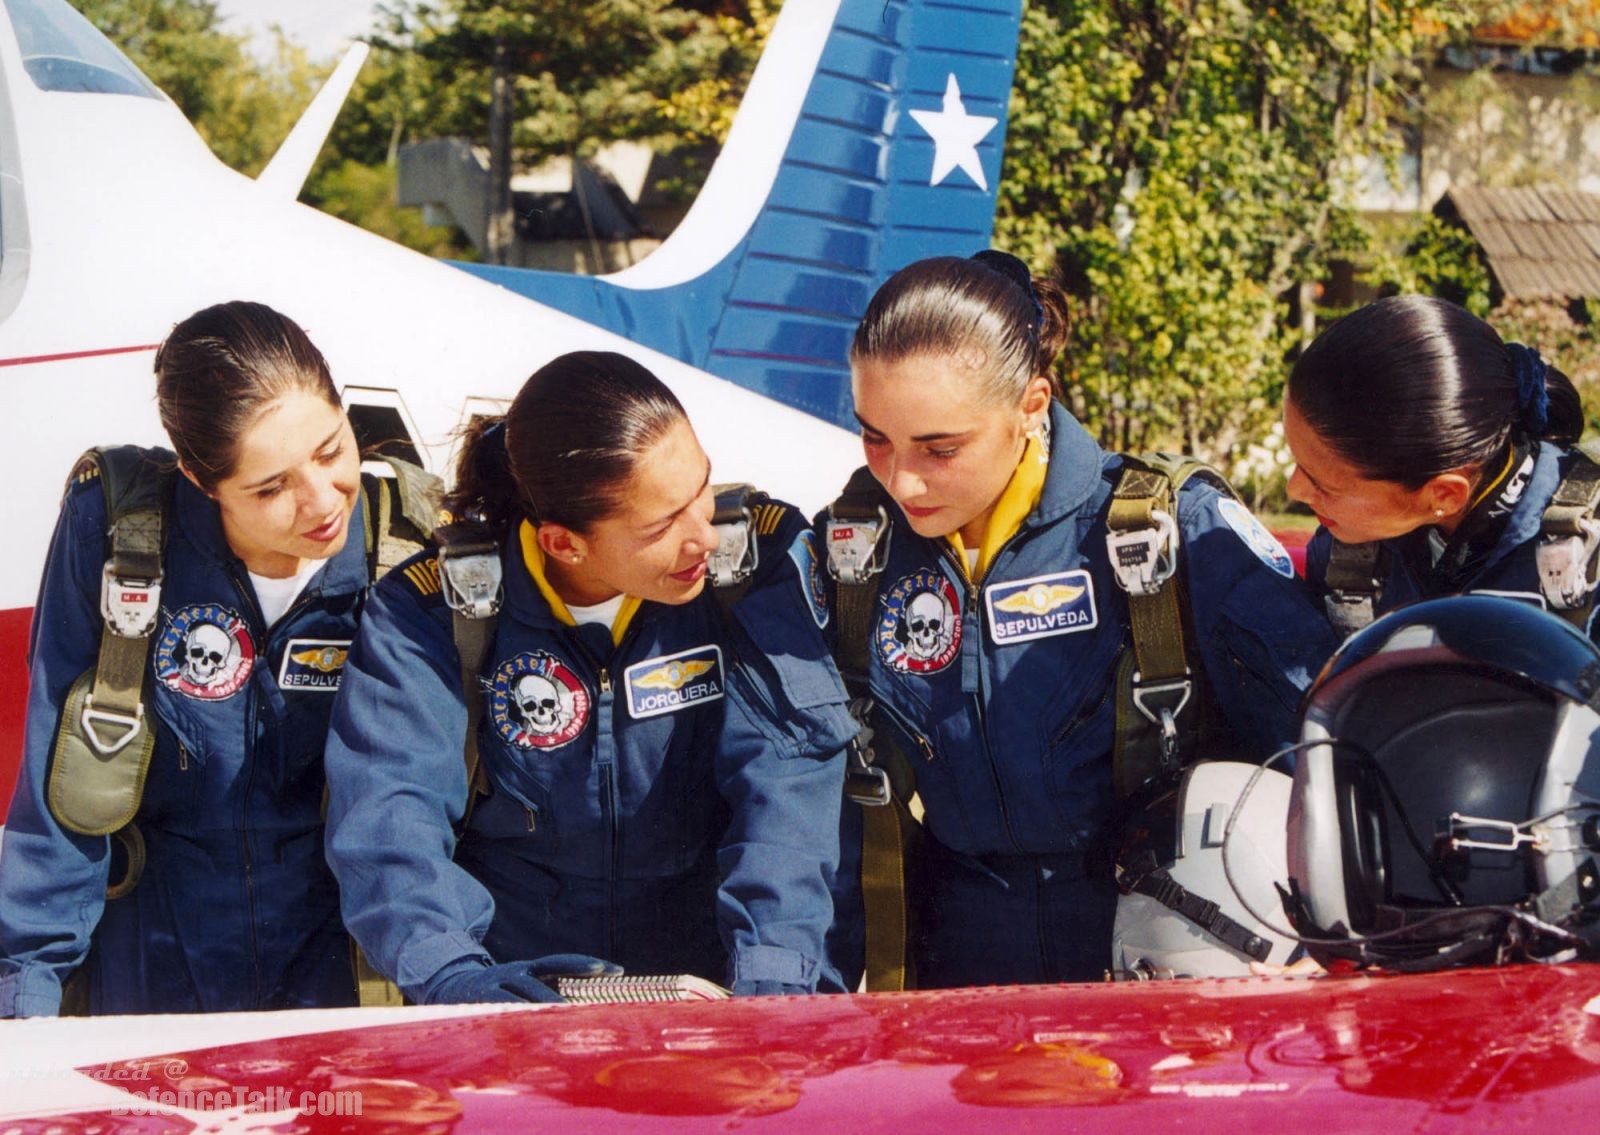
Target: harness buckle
{"type": "Point", "coordinates": [857, 548]}
{"type": "Point", "coordinates": [1161, 703]}
{"type": "Point", "coordinates": [864, 782]}
{"type": "Point", "coordinates": [737, 555]}
{"type": "Point", "coordinates": [91, 718]}
{"type": "Point", "coordinates": [1350, 611]}
{"type": "Point", "coordinates": [1462, 832]}
{"type": "Point", "coordinates": [470, 578]}
{"type": "Point", "coordinates": [129, 606]}
{"type": "Point", "coordinates": [1564, 565]}
{"type": "Point", "coordinates": [1145, 558]}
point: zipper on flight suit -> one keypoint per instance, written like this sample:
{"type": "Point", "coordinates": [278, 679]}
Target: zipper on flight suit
{"type": "Point", "coordinates": [604, 741]}
{"type": "Point", "coordinates": [248, 592]}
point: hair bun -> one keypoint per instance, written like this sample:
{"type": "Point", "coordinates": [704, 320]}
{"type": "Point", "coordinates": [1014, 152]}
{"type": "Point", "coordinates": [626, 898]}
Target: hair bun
{"type": "Point", "coordinates": [1533, 399]}
{"type": "Point", "coordinates": [1013, 269]}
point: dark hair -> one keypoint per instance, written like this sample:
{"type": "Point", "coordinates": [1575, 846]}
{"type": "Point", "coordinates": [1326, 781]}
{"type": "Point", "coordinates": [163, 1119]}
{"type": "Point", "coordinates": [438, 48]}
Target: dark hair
{"type": "Point", "coordinates": [1411, 386]}
{"type": "Point", "coordinates": [949, 306]}
{"type": "Point", "coordinates": [219, 369]}
{"type": "Point", "coordinates": [569, 444]}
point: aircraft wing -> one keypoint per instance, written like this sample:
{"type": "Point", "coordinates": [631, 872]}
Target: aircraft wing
{"type": "Point", "coordinates": [1463, 1051]}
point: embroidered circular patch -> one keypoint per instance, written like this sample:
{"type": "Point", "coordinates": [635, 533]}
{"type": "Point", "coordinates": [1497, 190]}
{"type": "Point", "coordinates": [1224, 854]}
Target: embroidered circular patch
{"type": "Point", "coordinates": [205, 652]}
{"type": "Point", "coordinates": [1256, 537]}
{"type": "Point", "coordinates": [804, 554]}
{"type": "Point", "coordinates": [537, 702]}
{"type": "Point", "coordinates": [919, 627]}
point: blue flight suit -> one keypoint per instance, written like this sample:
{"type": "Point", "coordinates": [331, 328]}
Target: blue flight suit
{"type": "Point", "coordinates": [236, 907]}
{"type": "Point", "coordinates": [1006, 710]}
{"type": "Point", "coordinates": [1509, 568]}
{"type": "Point", "coordinates": [669, 803]}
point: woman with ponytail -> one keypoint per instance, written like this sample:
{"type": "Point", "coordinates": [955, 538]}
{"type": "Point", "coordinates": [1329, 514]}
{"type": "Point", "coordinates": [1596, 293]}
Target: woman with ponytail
{"type": "Point", "coordinates": [1428, 449]}
{"type": "Point", "coordinates": [659, 768]}
{"type": "Point", "coordinates": [1001, 654]}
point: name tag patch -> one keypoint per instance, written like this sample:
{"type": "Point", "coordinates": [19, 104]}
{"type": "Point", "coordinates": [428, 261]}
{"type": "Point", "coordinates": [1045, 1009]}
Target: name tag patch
{"type": "Point", "coordinates": [313, 664]}
{"type": "Point", "coordinates": [674, 681]}
{"type": "Point", "coordinates": [1045, 605]}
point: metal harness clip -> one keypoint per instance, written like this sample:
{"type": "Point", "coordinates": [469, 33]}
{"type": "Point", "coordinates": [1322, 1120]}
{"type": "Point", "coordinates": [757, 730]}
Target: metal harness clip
{"type": "Point", "coordinates": [1161, 702]}
{"type": "Point", "coordinates": [91, 718]}
{"type": "Point", "coordinates": [864, 782]}
{"type": "Point", "coordinates": [471, 580]}
{"type": "Point", "coordinates": [1350, 611]}
{"type": "Point", "coordinates": [1144, 558]}
{"type": "Point", "coordinates": [737, 555]}
{"type": "Point", "coordinates": [1564, 565]}
{"type": "Point", "coordinates": [857, 549]}
{"type": "Point", "coordinates": [129, 606]}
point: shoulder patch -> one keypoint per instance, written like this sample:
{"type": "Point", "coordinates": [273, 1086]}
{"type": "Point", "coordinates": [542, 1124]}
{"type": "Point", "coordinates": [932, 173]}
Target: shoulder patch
{"type": "Point", "coordinates": [768, 517]}
{"type": "Point", "coordinates": [1256, 537]}
{"type": "Point", "coordinates": [205, 652]}
{"type": "Point", "coordinates": [424, 576]}
{"type": "Point", "coordinates": [803, 551]}
{"type": "Point", "coordinates": [537, 702]}
{"type": "Point", "coordinates": [919, 623]}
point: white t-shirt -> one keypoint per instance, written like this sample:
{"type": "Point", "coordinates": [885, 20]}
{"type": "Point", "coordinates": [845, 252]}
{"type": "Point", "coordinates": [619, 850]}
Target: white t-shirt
{"type": "Point", "coordinates": [276, 596]}
{"type": "Point", "coordinates": [972, 560]}
{"type": "Point", "coordinates": [603, 613]}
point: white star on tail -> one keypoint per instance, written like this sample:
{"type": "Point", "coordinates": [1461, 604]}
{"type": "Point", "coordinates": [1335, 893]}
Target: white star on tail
{"type": "Point", "coordinates": [955, 135]}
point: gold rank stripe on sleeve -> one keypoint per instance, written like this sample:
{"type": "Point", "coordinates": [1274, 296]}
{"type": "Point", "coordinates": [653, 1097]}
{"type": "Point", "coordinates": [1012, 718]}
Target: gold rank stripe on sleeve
{"type": "Point", "coordinates": [86, 471]}
{"type": "Point", "coordinates": [768, 517]}
{"type": "Point", "coordinates": [424, 576]}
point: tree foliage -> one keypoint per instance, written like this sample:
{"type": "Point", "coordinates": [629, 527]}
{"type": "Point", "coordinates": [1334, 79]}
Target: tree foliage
{"type": "Point", "coordinates": [1182, 166]}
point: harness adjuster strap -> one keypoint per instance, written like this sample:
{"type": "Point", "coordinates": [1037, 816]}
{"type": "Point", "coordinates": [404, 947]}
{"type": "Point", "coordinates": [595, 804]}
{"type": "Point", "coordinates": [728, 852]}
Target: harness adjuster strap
{"type": "Point", "coordinates": [471, 577]}
{"type": "Point", "coordinates": [857, 545]}
{"type": "Point", "coordinates": [864, 782]}
{"type": "Point", "coordinates": [737, 554]}
{"type": "Point", "coordinates": [1144, 558]}
{"type": "Point", "coordinates": [1565, 563]}
{"type": "Point", "coordinates": [129, 606]}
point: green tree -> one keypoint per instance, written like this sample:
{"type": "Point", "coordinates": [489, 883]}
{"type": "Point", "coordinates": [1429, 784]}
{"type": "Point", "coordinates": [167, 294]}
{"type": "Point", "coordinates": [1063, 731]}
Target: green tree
{"type": "Point", "coordinates": [1181, 166]}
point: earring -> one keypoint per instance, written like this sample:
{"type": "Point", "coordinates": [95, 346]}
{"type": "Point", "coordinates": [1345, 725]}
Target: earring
{"type": "Point", "coordinates": [1438, 513]}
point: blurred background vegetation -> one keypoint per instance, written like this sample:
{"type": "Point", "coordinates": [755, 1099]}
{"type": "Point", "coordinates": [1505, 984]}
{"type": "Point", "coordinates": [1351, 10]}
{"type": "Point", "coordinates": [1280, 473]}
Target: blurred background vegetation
{"type": "Point", "coordinates": [1199, 173]}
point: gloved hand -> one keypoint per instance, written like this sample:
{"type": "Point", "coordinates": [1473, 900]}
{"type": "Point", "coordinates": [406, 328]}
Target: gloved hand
{"type": "Point", "coordinates": [768, 989]}
{"type": "Point", "coordinates": [474, 981]}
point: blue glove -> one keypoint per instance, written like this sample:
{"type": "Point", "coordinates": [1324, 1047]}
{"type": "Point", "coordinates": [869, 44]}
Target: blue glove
{"type": "Point", "coordinates": [768, 989]}
{"type": "Point", "coordinates": [474, 981]}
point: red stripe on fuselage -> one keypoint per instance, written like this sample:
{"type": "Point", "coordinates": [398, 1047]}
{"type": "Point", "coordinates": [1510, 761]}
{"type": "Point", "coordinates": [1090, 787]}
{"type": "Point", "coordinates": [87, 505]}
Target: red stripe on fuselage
{"type": "Point", "coordinates": [70, 355]}
{"type": "Point", "coordinates": [13, 696]}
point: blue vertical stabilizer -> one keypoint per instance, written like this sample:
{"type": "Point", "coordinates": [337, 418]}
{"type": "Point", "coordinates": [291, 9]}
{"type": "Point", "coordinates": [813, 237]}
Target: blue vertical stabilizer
{"type": "Point", "coordinates": [870, 137]}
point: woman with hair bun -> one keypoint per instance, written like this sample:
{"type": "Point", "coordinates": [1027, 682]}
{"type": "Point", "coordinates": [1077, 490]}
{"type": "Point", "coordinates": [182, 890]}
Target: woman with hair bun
{"type": "Point", "coordinates": [660, 767]}
{"type": "Point", "coordinates": [183, 766]}
{"type": "Point", "coordinates": [1430, 450]}
{"type": "Point", "coordinates": [1001, 653]}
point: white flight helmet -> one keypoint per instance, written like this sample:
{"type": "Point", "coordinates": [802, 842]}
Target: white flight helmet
{"type": "Point", "coordinates": [1181, 913]}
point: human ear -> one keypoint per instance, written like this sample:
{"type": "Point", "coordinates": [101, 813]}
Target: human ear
{"type": "Point", "coordinates": [1449, 493]}
{"type": "Point", "coordinates": [1035, 404]}
{"type": "Point", "coordinates": [562, 544]}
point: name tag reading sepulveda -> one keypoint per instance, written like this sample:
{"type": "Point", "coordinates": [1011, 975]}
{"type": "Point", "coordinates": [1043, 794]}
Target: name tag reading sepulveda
{"type": "Point", "coordinates": [1045, 605]}
{"type": "Point", "coordinates": [313, 664]}
{"type": "Point", "coordinates": [674, 681]}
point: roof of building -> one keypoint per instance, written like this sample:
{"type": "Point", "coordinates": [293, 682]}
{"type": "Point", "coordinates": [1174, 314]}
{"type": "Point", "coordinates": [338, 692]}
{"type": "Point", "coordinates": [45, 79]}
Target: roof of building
{"type": "Point", "coordinates": [1540, 243]}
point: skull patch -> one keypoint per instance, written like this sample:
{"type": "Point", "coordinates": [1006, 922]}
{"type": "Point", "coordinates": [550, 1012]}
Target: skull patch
{"type": "Point", "coordinates": [537, 702]}
{"type": "Point", "coordinates": [205, 652]}
{"type": "Point", "coordinates": [919, 624]}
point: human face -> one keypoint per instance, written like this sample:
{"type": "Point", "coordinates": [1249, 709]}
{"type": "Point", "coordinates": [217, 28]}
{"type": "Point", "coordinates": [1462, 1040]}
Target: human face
{"type": "Point", "coordinates": [293, 487]}
{"type": "Point", "coordinates": [942, 452]}
{"type": "Point", "coordinates": [1353, 507]}
{"type": "Point", "coordinates": [655, 545]}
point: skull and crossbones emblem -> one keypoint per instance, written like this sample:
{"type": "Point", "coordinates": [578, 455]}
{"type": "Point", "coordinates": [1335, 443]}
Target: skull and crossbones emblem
{"type": "Point", "coordinates": [540, 705]}
{"type": "Point", "coordinates": [206, 650]}
{"type": "Point", "coordinates": [926, 626]}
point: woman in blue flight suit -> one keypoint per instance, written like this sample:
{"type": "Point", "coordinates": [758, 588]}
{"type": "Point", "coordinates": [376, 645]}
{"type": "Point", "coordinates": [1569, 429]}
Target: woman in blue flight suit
{"type": "Point", "coordinates": [1000, 623]}
{"type": "Point", "coordinates": [663, 777]}
{"type": "Point", "coordinates": [1444, 488]}
{"type": "Point", "coordinates": [235, 907]}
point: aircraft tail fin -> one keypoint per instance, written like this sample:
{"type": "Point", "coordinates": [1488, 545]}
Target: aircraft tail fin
{"type": "Point", "coordinates": [870, 136]}
{"type": "Point", "coordinates": [286, 173]}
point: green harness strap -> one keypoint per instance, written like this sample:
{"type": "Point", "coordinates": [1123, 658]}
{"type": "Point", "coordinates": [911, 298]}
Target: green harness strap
{"type": "Point", "coordinates": [878, 776]}
{"type": "Point", "coordinates": [1158, 713]}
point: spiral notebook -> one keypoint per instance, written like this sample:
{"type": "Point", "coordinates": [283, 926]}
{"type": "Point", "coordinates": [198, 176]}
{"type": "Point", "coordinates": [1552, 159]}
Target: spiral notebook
{"type": "Point", "coordinates": [638, 987]}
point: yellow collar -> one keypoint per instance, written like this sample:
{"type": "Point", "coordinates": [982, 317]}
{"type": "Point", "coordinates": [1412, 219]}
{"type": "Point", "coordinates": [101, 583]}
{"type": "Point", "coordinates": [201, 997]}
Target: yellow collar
{"type": "Point", "coordinates": [533, 557]}
{"type": "Point", "coordinates": [1020, 497]}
